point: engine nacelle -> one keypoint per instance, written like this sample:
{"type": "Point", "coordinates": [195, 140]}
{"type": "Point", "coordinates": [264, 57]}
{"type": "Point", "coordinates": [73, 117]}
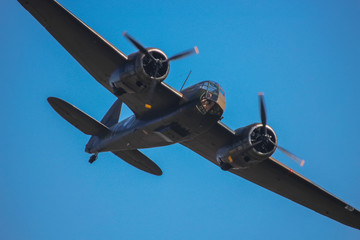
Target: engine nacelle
{"type": "Point", "coordinates": [139, 71]}
{"type": "Point", "coordinates": [250, 147]}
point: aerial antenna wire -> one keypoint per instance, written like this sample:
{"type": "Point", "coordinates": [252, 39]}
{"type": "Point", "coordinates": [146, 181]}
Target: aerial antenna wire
{"type": "Point", "coordinates": [186, 80]}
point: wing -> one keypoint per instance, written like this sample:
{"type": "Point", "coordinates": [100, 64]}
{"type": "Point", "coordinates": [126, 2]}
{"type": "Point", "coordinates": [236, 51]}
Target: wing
{"type": "Point", "coordinates": [93, 52]}
{"type": "Point", "coordinates": [276, 177]}
{"type": "Point", "coordinates": [208, 143]}
{"type": "Point", "coordinates": [99, 57]}
{"type": "Point", "coordinates": [273, 175]}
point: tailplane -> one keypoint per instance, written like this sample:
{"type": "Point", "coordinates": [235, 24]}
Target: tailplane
{"type": "Point", "coordinates": [139, 160]}
{"type": "Point", "coordinates": [78, 118]}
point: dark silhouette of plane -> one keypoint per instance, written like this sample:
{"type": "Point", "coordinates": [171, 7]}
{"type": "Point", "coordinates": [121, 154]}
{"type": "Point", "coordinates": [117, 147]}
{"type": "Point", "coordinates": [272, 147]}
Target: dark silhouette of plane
{"type": "Point", "coordinates": [164, 116]}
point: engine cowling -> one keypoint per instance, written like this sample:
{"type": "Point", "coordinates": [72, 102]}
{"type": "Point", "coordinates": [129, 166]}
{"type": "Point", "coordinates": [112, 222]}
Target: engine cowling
{"type": "Point", "coordinates": [139, 71]}
{"type": "Point", "coordinates": [250, 147]}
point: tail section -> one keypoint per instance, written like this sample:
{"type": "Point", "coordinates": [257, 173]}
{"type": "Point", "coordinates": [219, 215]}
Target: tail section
{"type": "Point", "coordinates": [110, 119]}
{"type": "Point", "coordinates": [112, 116]}
{"type": "Point", "coordinates": [139, 160]}
{"type": "Point", "coordinates": [98, 130]}
{"type": "Point", "coordinates": [78, 118]}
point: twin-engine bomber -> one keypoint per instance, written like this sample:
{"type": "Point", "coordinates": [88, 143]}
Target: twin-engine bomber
{"type": "Point", "coordinates": [164, 116]}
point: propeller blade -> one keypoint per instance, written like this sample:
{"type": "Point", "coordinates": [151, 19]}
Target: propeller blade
{"type": "Point", "coordinates": [253, 145]}
{"type": "Point", "coordinates": [138, 45]}
{"type": "Point", "coordinates": [157, 69]}
{"type": "Point", "coordinates": [298, 160]}
{"type": "Point", "coordinates": [183, 54]}
{"type": "Point", "coordinates": [263, 111]}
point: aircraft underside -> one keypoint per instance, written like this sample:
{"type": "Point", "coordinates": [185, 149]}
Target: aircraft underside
{"type": "Point", "coordinates": [163, 115]}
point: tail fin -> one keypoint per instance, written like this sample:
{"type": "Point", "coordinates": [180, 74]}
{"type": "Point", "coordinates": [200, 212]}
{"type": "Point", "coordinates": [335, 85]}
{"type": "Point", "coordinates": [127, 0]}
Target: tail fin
{"type": "Point", "coordinates": [113, 114]}
{"type": "Point", "coordinates": [110, 119]}
{"type": "Point", "coordinates": [78, 118]}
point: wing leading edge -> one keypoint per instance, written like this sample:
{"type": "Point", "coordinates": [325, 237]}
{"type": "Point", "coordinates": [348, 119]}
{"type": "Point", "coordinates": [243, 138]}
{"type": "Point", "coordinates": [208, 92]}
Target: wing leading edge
{"type": "Point", "coordinates": [276, 177]}
{"type": "Point", "coordinates": [93, 52]}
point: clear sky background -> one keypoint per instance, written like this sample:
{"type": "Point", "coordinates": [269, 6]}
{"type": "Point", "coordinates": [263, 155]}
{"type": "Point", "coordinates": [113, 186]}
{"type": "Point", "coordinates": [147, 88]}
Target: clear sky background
{"type": "Point", "coordinates": [305, 56]}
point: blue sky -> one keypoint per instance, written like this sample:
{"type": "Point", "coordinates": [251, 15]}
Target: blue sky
{"type": "Point", "coordinates": [305, 56]}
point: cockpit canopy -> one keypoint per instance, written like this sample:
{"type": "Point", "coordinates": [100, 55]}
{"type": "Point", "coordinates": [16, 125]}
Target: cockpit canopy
{"type": "Point", "coordinates": [212, 88]}
{"type": "Point", "coordinates": [208, 90]}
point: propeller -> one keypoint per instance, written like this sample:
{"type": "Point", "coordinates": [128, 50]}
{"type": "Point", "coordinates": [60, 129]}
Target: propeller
{"type": "Point", "coordinates": [266, 137]}
{"type": "Point", "coordinates": [183, 54]}
{"type": "Point", "coordinates": [138, 45]}
{"type": "Point", "coordinates": [263, 112]}
{"type": "Point", "coordinates": [158, 62]}
{"type": "Point", "coordinates": [298, 160]}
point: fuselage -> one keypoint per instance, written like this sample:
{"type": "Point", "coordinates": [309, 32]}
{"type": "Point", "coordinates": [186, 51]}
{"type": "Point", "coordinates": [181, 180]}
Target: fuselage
{"type": "Point", "coordinates": [202, 107]}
